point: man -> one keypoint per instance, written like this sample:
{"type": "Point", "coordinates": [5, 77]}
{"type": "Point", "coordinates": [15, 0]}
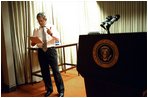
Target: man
{"type": "Point", "coordinates": [47, 55]}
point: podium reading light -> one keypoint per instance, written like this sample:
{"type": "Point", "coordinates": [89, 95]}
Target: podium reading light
{"type": "Point", "coordinates": [109, 21]}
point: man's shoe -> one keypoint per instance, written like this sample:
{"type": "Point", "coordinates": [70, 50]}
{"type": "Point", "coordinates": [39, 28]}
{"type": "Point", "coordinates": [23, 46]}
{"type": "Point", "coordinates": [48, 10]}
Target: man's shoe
{"type": "Point", "coordinates": [48, 93]}
{"type": "Point", "coordinates": [61, 95]}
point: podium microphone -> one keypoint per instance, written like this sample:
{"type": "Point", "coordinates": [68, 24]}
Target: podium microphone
{"type": "Point", "coordinates": [109, 21]}
{"type": "Point", "coordinates": [114, 18]}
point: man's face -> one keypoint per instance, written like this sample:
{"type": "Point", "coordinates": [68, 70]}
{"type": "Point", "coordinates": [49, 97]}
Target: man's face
{"type": "Point", "coordinates": [41, 21]}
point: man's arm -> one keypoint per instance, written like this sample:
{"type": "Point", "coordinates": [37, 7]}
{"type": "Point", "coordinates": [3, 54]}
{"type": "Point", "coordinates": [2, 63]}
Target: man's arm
{"type": "Point", "coordinates": [53, 33]}
{"type": "Point", "coordinates": [35, 33]}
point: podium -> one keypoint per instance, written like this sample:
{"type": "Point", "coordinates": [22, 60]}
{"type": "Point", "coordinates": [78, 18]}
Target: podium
{"type": "Point", "coordinates": [113, 65]}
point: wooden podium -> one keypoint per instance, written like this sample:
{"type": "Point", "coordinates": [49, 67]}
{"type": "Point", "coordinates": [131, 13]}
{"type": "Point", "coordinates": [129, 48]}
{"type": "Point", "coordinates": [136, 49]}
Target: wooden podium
{"type": "Point", "coordinates": [113, 65]}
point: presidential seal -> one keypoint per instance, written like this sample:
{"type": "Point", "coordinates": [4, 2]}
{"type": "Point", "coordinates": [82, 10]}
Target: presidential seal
{"type": "Point", "coordinates": [105, 53]}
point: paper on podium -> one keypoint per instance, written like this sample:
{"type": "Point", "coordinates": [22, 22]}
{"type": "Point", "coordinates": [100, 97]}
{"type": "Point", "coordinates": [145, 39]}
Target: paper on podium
{"type": "Point", "coordinates": [35, 39]}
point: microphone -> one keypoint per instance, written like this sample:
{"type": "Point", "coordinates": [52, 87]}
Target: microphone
{"type": "Point", "coordinates": [109, 21]}
{"type": "Point", "coordinates": [114, 18]}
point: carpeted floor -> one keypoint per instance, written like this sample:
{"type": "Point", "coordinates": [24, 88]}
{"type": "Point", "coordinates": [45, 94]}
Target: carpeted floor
{"type": "Point", "coordinates": [74, 87]}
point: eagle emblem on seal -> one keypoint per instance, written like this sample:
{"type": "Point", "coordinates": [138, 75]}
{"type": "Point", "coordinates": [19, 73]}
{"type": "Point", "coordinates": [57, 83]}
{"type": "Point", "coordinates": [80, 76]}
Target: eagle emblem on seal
{"type": "Point", "coordinates": [105, 53]}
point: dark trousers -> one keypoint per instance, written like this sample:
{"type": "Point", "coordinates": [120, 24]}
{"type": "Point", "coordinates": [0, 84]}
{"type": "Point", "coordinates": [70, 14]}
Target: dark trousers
{"type": "Point", "coordinates": [50, 58]}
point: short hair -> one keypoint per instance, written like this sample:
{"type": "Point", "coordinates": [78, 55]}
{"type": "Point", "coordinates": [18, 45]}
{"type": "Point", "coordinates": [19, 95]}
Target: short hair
{"type": "Point", "coordinates": [41, 14]}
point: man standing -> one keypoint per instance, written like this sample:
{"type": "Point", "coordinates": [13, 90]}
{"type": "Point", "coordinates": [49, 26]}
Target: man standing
{"type": "Point", "coordinates": [47, 54]}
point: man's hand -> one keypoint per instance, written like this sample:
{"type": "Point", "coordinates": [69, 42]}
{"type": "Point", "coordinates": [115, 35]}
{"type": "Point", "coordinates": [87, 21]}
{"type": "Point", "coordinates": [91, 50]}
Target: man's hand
{"type": "Point", "coordinates": [49, 32]}
{"type": "Point", "coordinates": [40, 45]}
